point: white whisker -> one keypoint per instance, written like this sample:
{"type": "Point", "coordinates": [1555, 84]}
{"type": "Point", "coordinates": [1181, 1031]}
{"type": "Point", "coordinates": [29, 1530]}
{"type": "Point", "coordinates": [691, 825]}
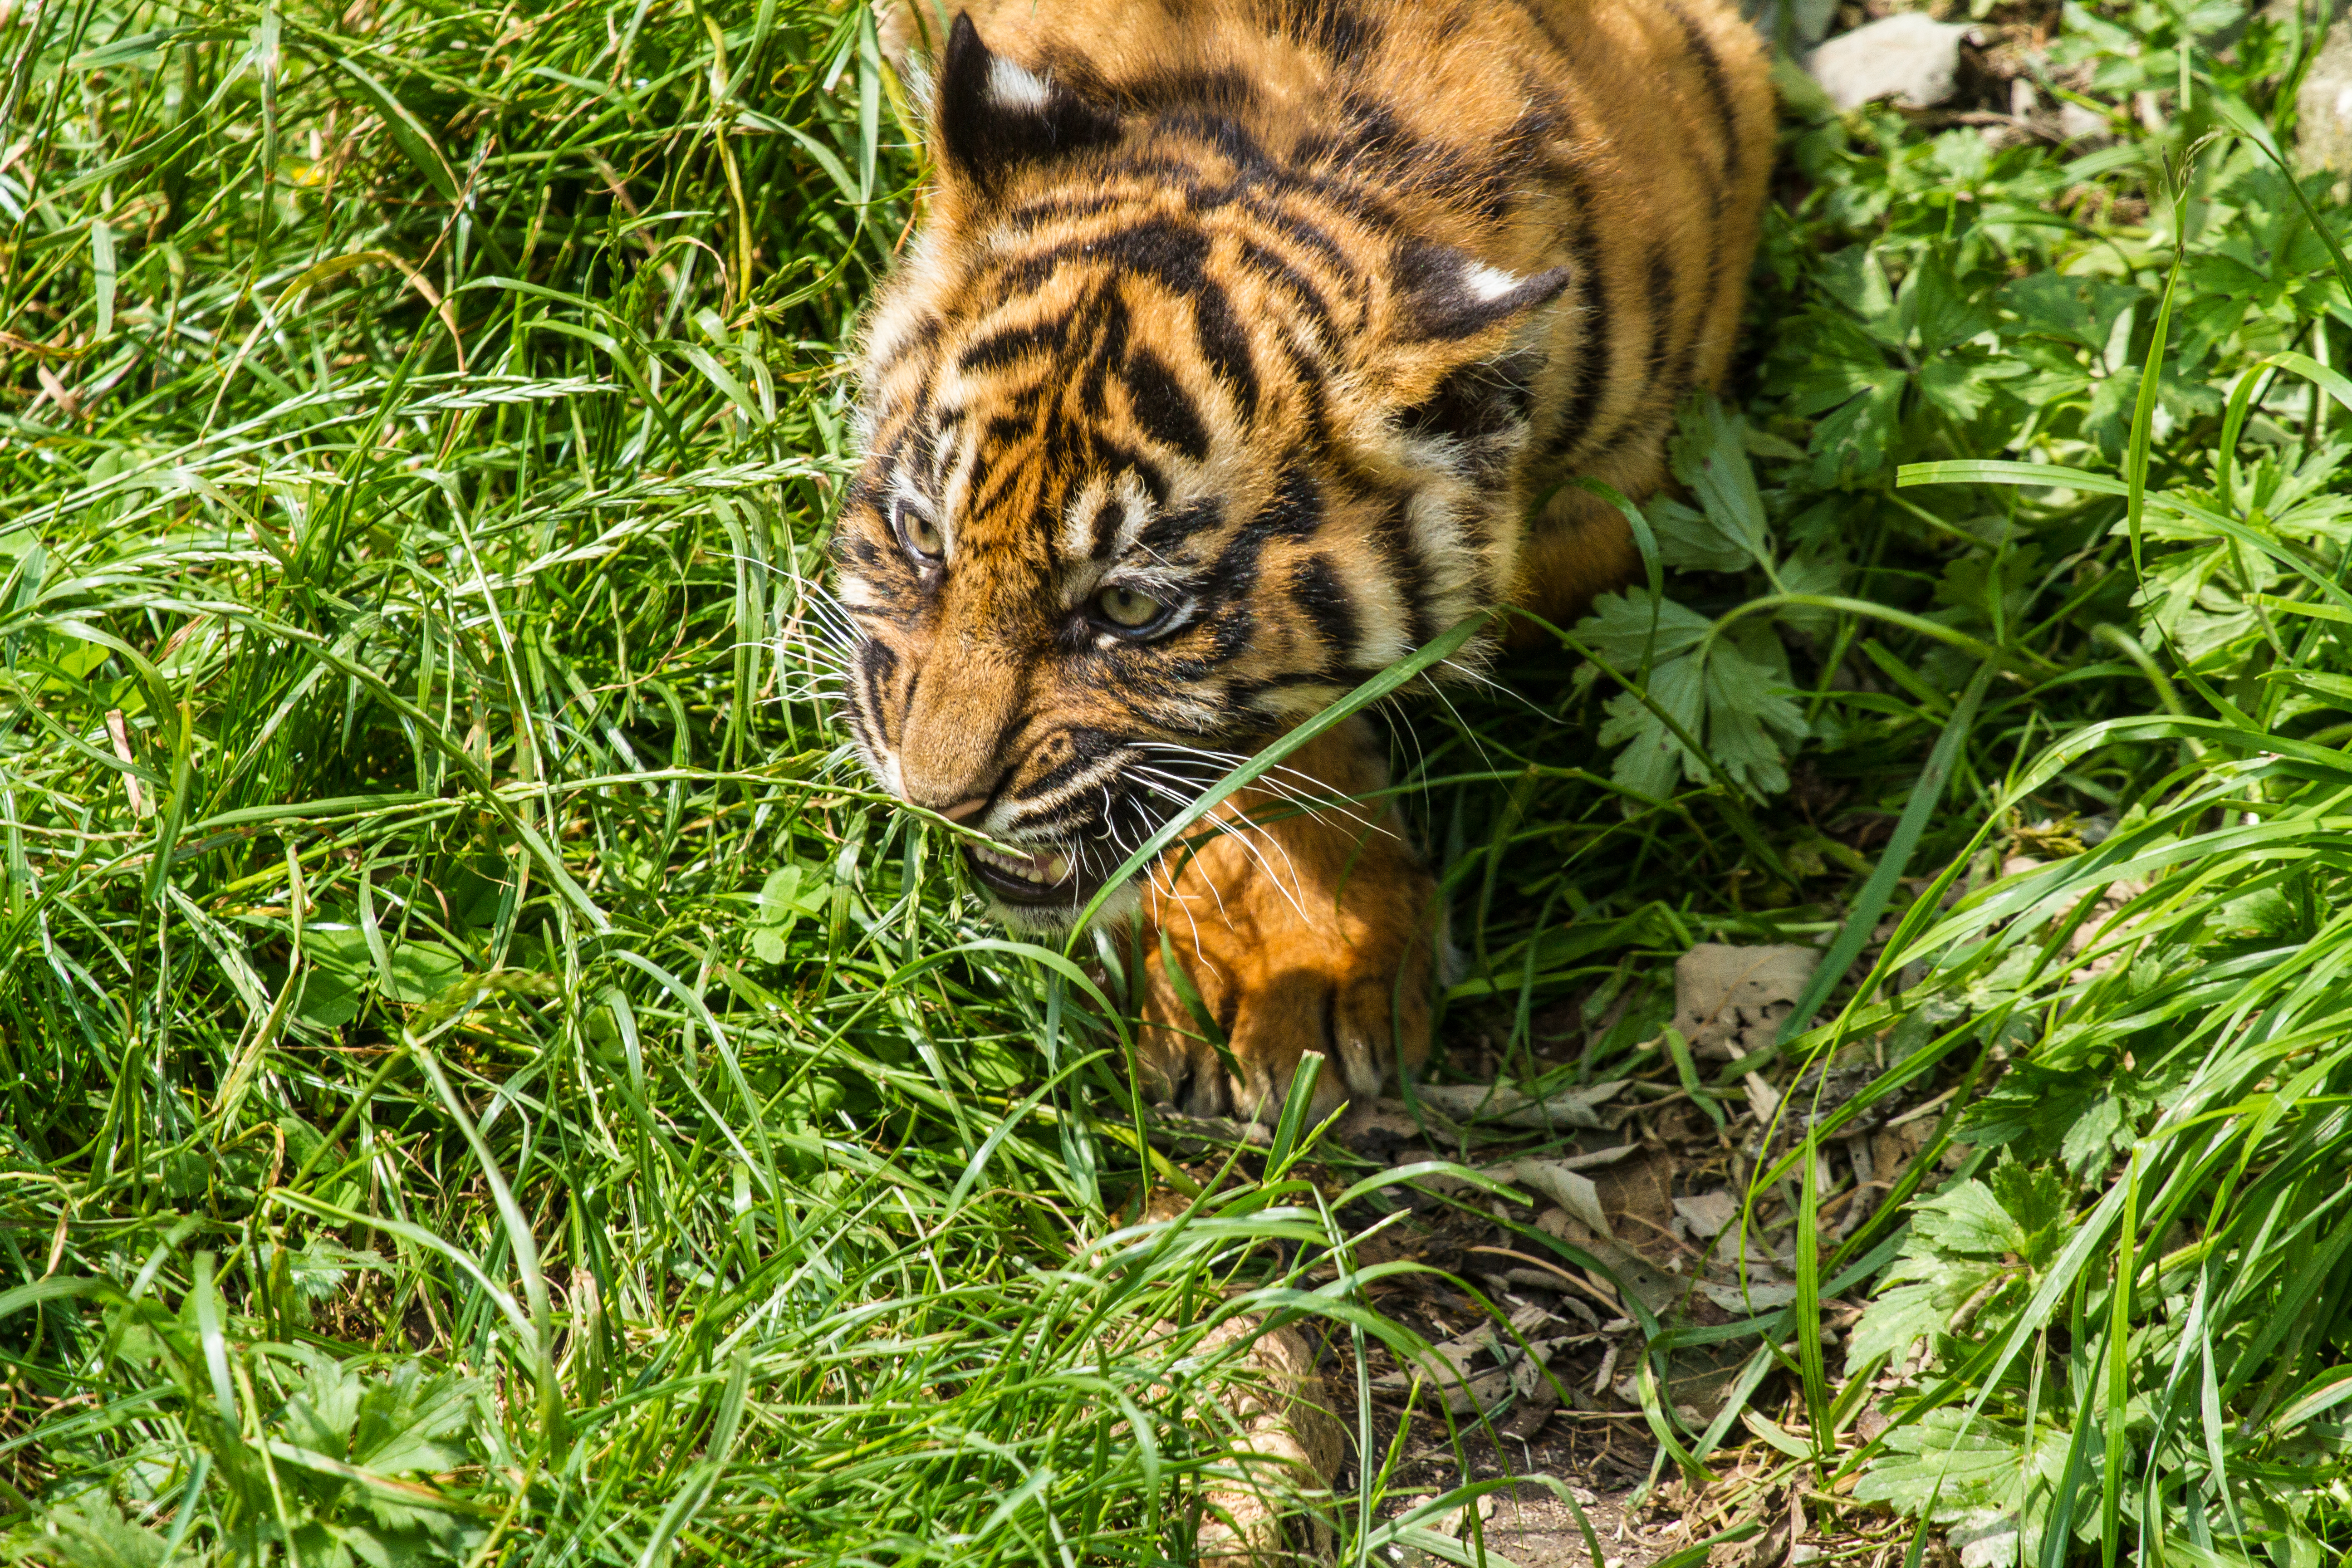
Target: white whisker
{"type": "Point", "coordinates": [1224, 826]}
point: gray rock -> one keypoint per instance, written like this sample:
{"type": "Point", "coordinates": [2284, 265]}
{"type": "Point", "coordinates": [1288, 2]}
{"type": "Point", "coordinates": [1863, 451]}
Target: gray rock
{"type": "Point", "coordinates": [2078, 126]}
{"type": "Point", "coordinates": [2323, 108]}
{"type": "Point", "coordinates": [1911, 59]}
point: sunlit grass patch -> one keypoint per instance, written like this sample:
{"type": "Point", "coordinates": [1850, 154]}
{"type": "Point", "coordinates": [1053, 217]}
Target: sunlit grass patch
{"type": "Point", "coordinates": [486, 1078]}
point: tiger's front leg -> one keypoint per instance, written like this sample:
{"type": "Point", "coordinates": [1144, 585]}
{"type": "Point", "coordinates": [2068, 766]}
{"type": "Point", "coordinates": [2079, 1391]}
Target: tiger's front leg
{"type": "Point", "coordinates": [1300, 929]}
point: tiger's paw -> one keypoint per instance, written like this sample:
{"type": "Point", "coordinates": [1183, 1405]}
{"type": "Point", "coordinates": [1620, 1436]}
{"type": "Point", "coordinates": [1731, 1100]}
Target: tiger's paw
{"type": "Point", "coordinates": [1270, 962]}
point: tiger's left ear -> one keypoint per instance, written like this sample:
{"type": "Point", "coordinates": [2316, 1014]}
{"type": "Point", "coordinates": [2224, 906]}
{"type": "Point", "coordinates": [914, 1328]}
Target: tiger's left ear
{"type": "Point", "coordinates": [1445, 294]}
{"type": "Point", "coordinates": [992, 115]}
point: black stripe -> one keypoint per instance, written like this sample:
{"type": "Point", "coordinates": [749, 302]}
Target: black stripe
{"type": "Point", "coordinates": [1296, 510]}
{"type": "Point", "coordinates": [1275, 270]}
{"type": "Point", "coordinates": [1335, 26]}
{"type": "Point", "coordinates": [1231, 581]}
{"type": "Point", "coordinates": [1719, 89]}
{"type": "Point", "coordinates": [1153, 90]}
{"type": "Point", "coordinates": [1011, 345]}
{"type": "Point", "coordinates": [1667, 385]}
{"type": "Point", "coordinates": [992, 480]}
{"type": "Point", "coordinates": [1391, 535]}
{"type": "Point", "coordinates": [1308, 379]}
{"type": "Point", "coordinates": [1164, 534]}
{"type": "Point", "coordinates": [1537, 14]}
{"type": "Point", "coordinates": [1593, 356]}
{"type": "Point", "coordinates": [1104, 455]}
{"type": "Point", "coordinates": [1642, 412]}
{"type": "Point", "coordinates": [878, 662]}
{"type": "Point", "coordinates": [1225, 346]}
{"type": "Point", "coordinates": [1221, 136]}
{"type": "Point", "coordinates": [1161, 407]}
{"type": "Point", "coordinates": [1038, 211]}
{"type": "Point", "coordinates": [1232, 633]}
{"type": "Point", "coordinates": [1175, 672]}
{"type": "Point", "coordinates": [1103, 325]}
{"type": "Point", "coordinates": [1107, 525]}
{"type": "Point", "coordinates": [1174, 255]}
{"type": "Point", "coordinates": [1316, 588]}
{"type": "Point", "coordinates": [1300, 232]}
{"type": "Point", "coordinates": [1661, 306]}
{"type": "Point", "coordinates": [1088, 748]}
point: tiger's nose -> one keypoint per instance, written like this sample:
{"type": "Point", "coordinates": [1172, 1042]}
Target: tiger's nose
{"type": "Point", "coordinates": [951, 740]}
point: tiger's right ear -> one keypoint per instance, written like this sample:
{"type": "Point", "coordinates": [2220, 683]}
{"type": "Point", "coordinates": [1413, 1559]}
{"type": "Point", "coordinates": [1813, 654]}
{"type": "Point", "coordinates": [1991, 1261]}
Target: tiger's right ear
{"type": "Point", "coordinates": [992, 115]}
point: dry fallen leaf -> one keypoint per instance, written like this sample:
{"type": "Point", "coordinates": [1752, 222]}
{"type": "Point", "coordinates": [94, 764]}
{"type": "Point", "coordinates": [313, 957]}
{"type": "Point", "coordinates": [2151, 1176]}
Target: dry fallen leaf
{"type": "Point", "coordinates": [1448, 1370]}
{"type": "Point", "coordinates": [1572, 1190]}
{"type": "Point", "coordinates": [1500, 1103]}
{"type": "Point", "coordinates": [1708, 1212]}
{"type": "Point", "coordinates": [1729, 1000]}
{"type": "Point", "coordinates": [1749, 1298]}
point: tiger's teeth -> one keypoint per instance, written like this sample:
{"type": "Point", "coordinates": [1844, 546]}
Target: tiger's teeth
{"type": "Point", "coordinates": [1036, 867]}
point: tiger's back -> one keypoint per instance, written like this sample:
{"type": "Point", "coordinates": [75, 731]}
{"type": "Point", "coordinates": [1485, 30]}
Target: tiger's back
{"type": "Point", "coordinates": [1242, 350]}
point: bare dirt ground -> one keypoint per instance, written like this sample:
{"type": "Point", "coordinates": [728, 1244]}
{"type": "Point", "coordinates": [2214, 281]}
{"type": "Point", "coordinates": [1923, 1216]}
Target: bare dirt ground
{"type": "Point", "coordinates": [1636, 1199]}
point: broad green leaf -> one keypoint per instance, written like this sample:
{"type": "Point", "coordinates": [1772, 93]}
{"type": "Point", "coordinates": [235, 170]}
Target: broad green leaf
{"type": "Point", "coordinates": [1631, 629]}
{"type": "Point", "coordinates": [1966, 1219]}
{"type": "Point", "coordinates": [1710, 454]}
{"type": "Point", "coordinates": [1689, 539]}
{"type": "Point", "coordinates": [1654, 760]}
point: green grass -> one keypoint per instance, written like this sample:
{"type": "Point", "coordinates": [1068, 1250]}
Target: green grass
{"type": "Point", "coordinates": [470, 1028]}
{"type": "Point", "coordinates": [486, 1079]}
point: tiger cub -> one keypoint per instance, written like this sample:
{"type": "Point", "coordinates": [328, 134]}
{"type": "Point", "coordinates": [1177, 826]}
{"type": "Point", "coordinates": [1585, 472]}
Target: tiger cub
{"type": "Point", "coordinates": [1244, 349]}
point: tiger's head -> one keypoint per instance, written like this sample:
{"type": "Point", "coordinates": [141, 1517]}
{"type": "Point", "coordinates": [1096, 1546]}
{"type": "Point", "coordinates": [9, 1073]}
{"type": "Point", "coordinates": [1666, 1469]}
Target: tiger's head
{"type": "Point", "coordinates": [1172, 438]}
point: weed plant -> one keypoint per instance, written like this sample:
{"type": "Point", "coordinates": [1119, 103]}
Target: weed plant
{"type": "Point", "coordinates": [486, 1079]}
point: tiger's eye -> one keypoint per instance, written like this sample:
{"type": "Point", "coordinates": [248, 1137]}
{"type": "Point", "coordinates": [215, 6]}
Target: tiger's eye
{"type": "Point", "coordinates": [1124, 607]}
{"type": "Point", "coordinates": [920, 533]}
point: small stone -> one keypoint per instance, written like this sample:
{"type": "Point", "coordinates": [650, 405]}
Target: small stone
{"type": "Point", "coordinates": [1911, 59]}
{"type": "Point", "coordinates": [2077, 124]}
{"type": "Point", "coordinates": [1804, 1551]}
{"type": "Point", "coordinates": [2324, 106]}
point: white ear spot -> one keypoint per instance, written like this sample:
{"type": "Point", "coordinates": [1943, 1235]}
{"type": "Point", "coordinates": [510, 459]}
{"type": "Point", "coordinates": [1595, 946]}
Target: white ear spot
{"type": "Point", "coordinates": [1487, 283]}
{"type": "Point", "coordinates": [1013, 88]}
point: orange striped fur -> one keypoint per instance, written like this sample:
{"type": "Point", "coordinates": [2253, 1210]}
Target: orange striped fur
{"type": "Point", "coordinates": [1239, 346]}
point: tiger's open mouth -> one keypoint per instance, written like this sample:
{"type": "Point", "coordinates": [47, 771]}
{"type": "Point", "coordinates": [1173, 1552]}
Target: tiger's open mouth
{"type": "Point", "coordinates": [1062, 875]}
{"type": "Point", "coordinates": [1043, 878]}
{"type": "Point", "coordinates": [1050, 878]}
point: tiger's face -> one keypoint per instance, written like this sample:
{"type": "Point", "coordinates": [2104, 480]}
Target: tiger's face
{"type": "Point", "coordinates": [1149, 479]}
